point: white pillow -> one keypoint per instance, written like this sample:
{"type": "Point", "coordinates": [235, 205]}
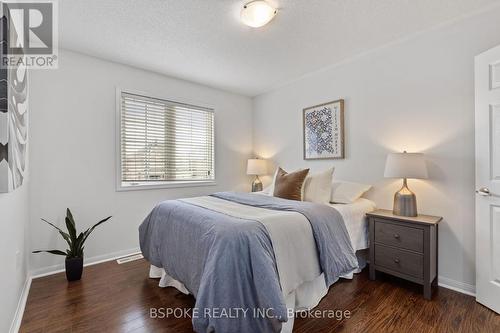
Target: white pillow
{"type": "Point", "coordinates": [318, 187]}
{"type": "Point", "coordinates": [269, 190]}
{"type": "Point", "coordinates": [347, 192]}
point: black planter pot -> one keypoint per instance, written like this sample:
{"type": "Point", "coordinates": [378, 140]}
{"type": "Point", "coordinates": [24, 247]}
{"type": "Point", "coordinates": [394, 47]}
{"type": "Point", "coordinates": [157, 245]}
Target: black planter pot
{"type": "Point", "coordinates": [74, 269]}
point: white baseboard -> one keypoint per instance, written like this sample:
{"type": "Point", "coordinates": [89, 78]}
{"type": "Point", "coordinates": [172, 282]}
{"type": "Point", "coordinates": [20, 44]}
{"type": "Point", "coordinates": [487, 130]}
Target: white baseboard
{"type": "Point", "coordinates": [461, 287]}
{"type": "Point", "coordinates": [18, 315]}
{"type": "Point", "coordinates": [49, 270]}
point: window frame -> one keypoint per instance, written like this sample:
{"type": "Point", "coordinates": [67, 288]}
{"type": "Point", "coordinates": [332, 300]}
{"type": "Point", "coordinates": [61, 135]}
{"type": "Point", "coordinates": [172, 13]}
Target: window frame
{"type": "Point", "coordinates": [151, 185]}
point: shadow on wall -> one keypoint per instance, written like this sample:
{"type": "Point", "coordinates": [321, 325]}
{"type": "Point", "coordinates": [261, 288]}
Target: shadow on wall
{"type": "Point", "coordinates": [236, 169]}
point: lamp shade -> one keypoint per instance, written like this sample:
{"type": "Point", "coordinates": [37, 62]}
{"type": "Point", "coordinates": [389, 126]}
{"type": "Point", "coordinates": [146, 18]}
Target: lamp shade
{"type": "Point", "coordinates": [405, 165]}
{"type": "Point", "coordinates": [256, 167]}
{"type": "Point", "coordinates": [257, 13]}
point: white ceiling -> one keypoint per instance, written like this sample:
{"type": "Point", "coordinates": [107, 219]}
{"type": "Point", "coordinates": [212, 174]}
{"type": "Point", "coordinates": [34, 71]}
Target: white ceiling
{"type": "Point", "coordinates": [204, 41]}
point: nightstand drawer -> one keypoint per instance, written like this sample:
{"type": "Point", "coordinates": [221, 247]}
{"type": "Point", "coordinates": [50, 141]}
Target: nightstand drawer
{"type": "Point", "coordinates": [399, 236]}
{"type": "Point", "coordinates": [399, 260]}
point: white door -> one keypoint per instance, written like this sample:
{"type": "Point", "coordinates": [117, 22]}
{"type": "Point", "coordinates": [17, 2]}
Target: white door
{"type": "Point", "coordinates": [487, 77]}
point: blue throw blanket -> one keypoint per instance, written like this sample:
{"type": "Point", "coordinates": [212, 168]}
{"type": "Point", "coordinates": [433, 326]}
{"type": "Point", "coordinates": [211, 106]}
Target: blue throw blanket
{"type": "Point", "coordinates": [228, 263]}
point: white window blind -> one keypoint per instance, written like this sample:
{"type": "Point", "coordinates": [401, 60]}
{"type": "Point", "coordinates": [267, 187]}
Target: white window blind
{"type": "Point", "coordinates": [165, 141]}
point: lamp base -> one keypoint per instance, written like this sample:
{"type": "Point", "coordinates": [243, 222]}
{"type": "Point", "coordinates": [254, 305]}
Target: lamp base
{"type": "Point", "coordinates": [405, 202]}
{"type": "Point", "coordinates": [256, 185]}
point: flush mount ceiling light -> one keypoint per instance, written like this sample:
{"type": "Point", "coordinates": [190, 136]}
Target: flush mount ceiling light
{"type": "Point", "coordinates": [257, 13]}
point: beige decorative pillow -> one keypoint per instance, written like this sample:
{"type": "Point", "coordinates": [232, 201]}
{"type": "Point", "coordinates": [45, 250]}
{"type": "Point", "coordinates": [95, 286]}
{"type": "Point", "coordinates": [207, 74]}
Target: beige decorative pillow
{"type": "Point", "coordinates": [318, 187]}
{"type": "Point", "coordinates": [348, 192]}
{"type": "Point", "coordinates": [289, 185]}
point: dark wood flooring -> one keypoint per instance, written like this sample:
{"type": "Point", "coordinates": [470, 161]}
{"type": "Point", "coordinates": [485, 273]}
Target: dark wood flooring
{"type": "Point", "coordinates": [117, 298]}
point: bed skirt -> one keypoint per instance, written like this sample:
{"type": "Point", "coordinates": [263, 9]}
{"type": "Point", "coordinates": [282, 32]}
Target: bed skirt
{"type": "Point", "coordinates": [307, 296]}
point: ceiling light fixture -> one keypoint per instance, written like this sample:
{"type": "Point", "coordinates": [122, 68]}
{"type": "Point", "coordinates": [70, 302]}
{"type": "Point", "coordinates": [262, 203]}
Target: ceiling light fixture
{"type": "Point", "coordinates": [257, 13]}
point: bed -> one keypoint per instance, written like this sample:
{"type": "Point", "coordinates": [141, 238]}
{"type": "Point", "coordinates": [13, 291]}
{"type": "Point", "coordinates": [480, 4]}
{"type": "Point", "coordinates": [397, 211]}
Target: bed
{"type": "Point", "coordinates": [251, 260]}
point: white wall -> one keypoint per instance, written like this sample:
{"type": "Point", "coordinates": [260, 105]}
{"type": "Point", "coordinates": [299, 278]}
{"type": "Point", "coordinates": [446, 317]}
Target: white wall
{"type": "Point", "coordinates": [73, 151]}
{"type": "Point", "coordinates": [13, 248]}
{"type": "Point", "coordinates": [418, 95]}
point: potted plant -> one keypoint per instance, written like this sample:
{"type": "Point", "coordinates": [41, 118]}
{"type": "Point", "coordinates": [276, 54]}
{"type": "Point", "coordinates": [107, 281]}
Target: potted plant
{"type": "Point", "coordinates": [74, 254]}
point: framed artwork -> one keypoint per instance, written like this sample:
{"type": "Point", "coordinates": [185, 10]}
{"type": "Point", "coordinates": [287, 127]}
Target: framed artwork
{"type": "Point", "coordinates": [13, 123]}
{"type": "Point", "coordinates": [324, 131]}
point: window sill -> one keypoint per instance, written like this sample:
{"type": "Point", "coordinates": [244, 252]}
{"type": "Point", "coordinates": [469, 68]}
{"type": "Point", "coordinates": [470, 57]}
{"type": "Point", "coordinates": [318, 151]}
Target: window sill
{"type": "Point", "coordinates": [161, 185]}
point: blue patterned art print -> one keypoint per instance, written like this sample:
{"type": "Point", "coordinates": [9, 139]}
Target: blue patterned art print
{"type": "Point", "coordinates": [324, 131]}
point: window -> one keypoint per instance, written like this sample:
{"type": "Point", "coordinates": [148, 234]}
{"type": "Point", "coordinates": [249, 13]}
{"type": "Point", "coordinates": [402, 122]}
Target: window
{"type": "Point", "coordinates": [164, 143]}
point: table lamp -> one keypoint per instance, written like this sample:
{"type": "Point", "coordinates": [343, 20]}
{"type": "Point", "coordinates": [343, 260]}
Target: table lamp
{"type": "Point", "coordinates": [405, 165]}
{"type": "Point", "coordinates": [256, 167]}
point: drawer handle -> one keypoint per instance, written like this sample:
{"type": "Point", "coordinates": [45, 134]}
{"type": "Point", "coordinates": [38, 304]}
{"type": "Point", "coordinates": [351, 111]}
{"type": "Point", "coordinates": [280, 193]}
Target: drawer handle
{"type": "Point", "coordinates": [396, 236]}
{"type": "Point", "coordinates": [396, 260]}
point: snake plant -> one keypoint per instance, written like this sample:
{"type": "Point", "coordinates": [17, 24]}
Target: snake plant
{"type": "Point", "coordinates": [75, 243]}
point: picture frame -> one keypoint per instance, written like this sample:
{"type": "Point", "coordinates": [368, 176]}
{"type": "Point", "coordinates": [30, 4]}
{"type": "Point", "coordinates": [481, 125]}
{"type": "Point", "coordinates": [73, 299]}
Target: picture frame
{"type": "Point", "coordinates": [323, 131]}
{"type": "Point", "coordinates": [13, 122]}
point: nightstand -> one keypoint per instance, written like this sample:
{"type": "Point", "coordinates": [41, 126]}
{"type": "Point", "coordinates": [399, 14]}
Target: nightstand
{"type": "Point", "coordinates": [406, 247]}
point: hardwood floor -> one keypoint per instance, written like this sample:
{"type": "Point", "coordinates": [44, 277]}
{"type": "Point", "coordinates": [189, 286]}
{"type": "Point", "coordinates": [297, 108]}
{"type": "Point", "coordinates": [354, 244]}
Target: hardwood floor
{"type": "Point", "coordinates": [118, 298]}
